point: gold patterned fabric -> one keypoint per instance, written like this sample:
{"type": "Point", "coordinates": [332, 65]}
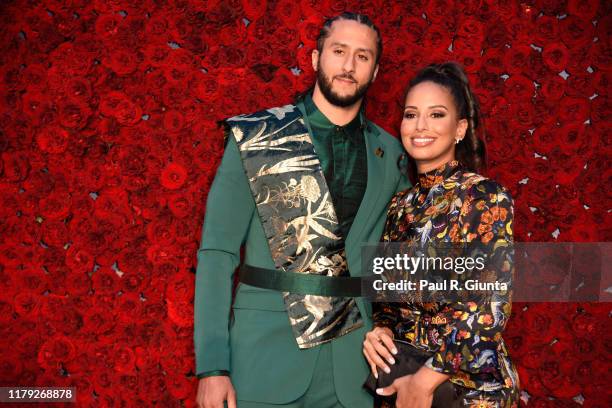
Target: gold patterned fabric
{"type": "Point", "coordinates": [298, 217]}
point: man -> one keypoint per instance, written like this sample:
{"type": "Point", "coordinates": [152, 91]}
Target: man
{"type": "Point", "coordinates": [301, 186]}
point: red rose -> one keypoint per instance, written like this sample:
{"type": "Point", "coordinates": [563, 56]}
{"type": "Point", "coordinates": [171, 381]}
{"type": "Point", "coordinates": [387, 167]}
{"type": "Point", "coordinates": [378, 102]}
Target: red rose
{"type": "Point", "coordinates": [173, 176]}
{"type": "Point", "coordinates": [538, 168]}
{"type": "Point", "coordinates": [493, 61]}
{"type": "Point", "coordinates": [56, 206]}
{"type": "Point", "coordinates": [436, 39]}
{"type": "Point", "coordinates": [571, 136]}
{"type": "Point", "coordinates": [254, 9]}
{"type": "Point", "coordinates": [261, 30]}
{"type": "Point", "coordinates": [520, 30]}
{"type": "Point", "coordinates": [287, 11]}
{"type": "Point", "coordinates": [414, 29]}
{"type": "Point", "coordinates": [579, 60]}
{"type": "Point", "coordinates": [555, 56]}
{"type": "Point", "coordinates": [545, 112]}
{"type": "Point", "coordinates": [437, 11]}
{"type": "Point", "coordinates": [79, 282]}
{"type": "Point", "coordinates": [179, 386]}
{"type": "Point", "coordinates": [584, 9]}
{"type": "Point", "coordinates": [35, 103]}
{"type": "Point", "coordinates": [309, 29]}
{"type": "Point", "coordinates": [576, 32]}
{"type": "Point", "coordinates": [468, 45]}
{"type": "Point", "coordinates": [180, 205]}
{"type": "Point", "coordinates": [524, 114]}
{"type": "Point", "coordinates": [180, 313]}
{"type": "Point", "coordinates": [550, 7]}
{"type": "Point", "coordinates": [259, 53]}
{"type": "Point", "coordinates": [552, 88]}
{"type": "Point", "coordinates": [519, 88]}
{"type": "Point", "coordinates": [133, 281]}
{"type": "Point", "coordinates": [118, 105]}
{"type": "Point", "coordinates": [27, 304]}
{"type": "Point", "coordinates": [516, 59]}
{"type": "Point", "coordinates": [98, 321]}
{"type": "Point", "coordinates": [497, 34]}
{"type": "Point", "coordinates": [53, 139]}
{"type": "Point", "coordinates": [547, 29]}
{"type": "Point", "coordinates": [56, 350]}
{"type": "Point", "coordinates": [54, 232]}
{"type": "Point", "coordinates": [574, 109]}
{"type": "Point", "coordinates": [498, 136]}
{"type": "Point", "coordinates": [600, 56]}
{"type": "Point", "coordinates": [471, 62]}
{"type": "Point", "coordinates": [471, 28]}
{"type": "Point", "coordinates": [601, 81]}
{"type": "Point", "coordinates": [107, 25]}
{"type": "Point", "coordinates": [105, 281]}
{"type": "Point", "coordinates": [122, 61]}
{"type": "Point", "coordinates": [131, 159]}
{"type": "Point", "coordinates": [600, 110]}
{"type": "Point", "coordinates": [124, 359]}
{"type": "Point", "coordinates": [567, 168]}
{"type": "Point", "coordinates": [157, 54]}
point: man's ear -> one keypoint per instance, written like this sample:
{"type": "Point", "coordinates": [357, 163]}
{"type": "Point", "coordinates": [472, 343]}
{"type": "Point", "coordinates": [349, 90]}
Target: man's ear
{"type": "Point", "coordinates": [375, 73]}
{"type": "Point", "coordinates": [315, 59]}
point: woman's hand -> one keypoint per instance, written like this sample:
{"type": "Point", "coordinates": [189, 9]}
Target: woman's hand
{"type": "Point", "coordinates": [377, 349]}
{"type": "Point", "coordinates": [415, 390]}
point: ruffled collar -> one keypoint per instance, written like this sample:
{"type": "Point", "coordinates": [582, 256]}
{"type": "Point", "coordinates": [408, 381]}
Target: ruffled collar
{"type": "Point", "coordinates": [437, 175]}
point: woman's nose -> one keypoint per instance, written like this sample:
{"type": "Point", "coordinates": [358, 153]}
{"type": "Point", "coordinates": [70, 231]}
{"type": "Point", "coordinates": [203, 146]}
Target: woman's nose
{"type": "Point", "coordinates": [421, 122]}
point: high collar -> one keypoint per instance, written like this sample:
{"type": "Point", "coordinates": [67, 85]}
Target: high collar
{"type": "Point", "coordinates": [438, 175]}
{"type": "Point", "coordinates": [319, 121]}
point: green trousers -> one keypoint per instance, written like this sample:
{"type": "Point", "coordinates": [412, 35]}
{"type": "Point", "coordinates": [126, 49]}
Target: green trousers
{"type": "Point", "coordinates": [321, 392]}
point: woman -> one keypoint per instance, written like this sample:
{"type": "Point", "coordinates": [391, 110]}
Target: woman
{"type": "Point", "coordinates": [450, 203]}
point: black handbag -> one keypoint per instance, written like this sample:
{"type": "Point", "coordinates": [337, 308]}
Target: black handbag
{"type": "Point", "coordinates": [409, 360]}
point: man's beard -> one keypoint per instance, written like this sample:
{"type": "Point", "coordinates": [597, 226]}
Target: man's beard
{"type": "Point", "coordinates": [325, 85]}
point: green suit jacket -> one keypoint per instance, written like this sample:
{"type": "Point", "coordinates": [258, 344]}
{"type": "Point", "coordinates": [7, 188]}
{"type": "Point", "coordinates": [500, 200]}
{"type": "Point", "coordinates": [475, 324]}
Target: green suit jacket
{"type": "Point", "coordinates": [257, 345]}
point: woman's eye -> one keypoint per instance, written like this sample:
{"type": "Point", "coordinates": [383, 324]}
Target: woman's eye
{"type": "Point", "coordinates": [437, 115]}
{"type": "Point", "coordinates": [409, 115]}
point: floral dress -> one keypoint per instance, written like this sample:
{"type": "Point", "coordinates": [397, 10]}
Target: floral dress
{"type": "Point", "coordinates": [451, 205]}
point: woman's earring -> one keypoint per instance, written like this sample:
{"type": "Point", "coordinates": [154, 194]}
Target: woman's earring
{"type": "Point", "coordinates": [457, 141]}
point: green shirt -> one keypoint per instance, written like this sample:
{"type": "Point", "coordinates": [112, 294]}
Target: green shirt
{"type": "Point", "coordinates": [342, 153]}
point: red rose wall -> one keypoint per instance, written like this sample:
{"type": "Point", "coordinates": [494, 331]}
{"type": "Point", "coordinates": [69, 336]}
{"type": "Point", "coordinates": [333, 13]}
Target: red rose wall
{"type": "Point", "coordinates": [109, 144]}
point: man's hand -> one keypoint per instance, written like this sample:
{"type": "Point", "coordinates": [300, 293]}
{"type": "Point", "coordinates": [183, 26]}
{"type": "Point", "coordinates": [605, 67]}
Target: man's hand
{"type": "Point", "coordinates": [214, 390]}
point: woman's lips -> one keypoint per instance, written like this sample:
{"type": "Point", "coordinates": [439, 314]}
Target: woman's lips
{"type": "Point", "coordinates": [422, 141]}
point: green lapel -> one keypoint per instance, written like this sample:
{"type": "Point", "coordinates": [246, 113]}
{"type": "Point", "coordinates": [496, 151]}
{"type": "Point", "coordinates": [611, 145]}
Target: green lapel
{"type": "Point", "coordinates": [371, 199]}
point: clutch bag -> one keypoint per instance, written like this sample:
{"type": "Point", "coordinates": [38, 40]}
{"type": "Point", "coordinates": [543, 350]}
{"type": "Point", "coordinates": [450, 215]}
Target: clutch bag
{"type": "Point", "coordinates": [409, 360]}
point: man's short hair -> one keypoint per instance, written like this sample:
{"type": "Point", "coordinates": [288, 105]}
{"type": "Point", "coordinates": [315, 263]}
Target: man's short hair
{"type": "Point", "coordinates": [361, 19]}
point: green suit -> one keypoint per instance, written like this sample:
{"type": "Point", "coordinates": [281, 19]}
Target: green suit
{"type": "Point", "coordinates": [257, 347]}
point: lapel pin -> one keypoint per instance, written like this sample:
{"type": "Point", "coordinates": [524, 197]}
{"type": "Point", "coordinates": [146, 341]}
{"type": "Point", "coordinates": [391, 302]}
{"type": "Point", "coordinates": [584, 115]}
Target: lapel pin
{"type": "Point", "coordinates": [379, 152]}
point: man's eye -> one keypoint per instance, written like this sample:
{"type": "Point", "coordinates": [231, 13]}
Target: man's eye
{"type": "Point", "coordinates": [338, 52]}
{"type": "Point", "coordinates": [363, 57]}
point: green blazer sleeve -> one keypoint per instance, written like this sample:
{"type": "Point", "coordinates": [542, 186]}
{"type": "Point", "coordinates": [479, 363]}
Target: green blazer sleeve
{"type": "Point", "coordinates": [229, 209]}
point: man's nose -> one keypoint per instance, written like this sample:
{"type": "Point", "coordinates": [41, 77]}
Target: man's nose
{"type": "Point", "coordinates": [349, 63]}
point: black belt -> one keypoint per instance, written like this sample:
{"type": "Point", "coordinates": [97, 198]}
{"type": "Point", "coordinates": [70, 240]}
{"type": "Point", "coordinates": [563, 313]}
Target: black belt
{"type": "Point", "coordinates": [301, 283]}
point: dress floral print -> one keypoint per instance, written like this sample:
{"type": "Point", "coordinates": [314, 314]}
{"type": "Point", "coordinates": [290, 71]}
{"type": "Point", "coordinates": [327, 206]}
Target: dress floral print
{"type": "Point", "coordinates": [452, 205]}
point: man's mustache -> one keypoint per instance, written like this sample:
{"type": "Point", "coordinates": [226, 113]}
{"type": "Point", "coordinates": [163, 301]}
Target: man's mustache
{"type": "Point", "coordinates": [346, 76]}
